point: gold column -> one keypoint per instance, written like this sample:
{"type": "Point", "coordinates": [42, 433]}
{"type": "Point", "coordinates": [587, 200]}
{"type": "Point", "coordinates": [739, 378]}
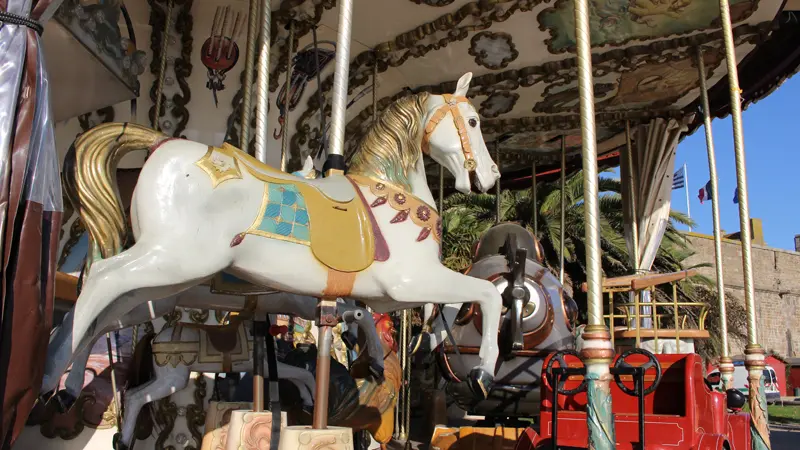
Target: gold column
{"type": "Point", "coordinates": [534, 200]}
{"type": "Point", "coordinates": [287, 100]}
{"type": "Point", "coordinates": [597, 352]}
{"type": "Point", "coordinates": [725, 362]}
{"type": "Point", "coordinates": [249, 66]}
{"type": "Point", "coordinates": [563, 231]}
{"type": "Point", "coordinates": [754, 354]}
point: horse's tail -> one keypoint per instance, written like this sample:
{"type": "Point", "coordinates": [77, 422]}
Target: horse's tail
{"type": "Point", "coordinates": [90, 180]}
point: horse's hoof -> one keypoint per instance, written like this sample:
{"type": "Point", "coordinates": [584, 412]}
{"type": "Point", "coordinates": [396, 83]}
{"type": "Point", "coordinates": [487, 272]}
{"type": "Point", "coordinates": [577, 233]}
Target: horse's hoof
{"type": "Point", "coordinates": [480, 382]}
{"type": "Point", "coordinates": [116, 442]}
{"type": "Point", "coordinates": [45, 397]}
{"type": "Point", "coordinates": [376, 370]}
{"type": "Point", "coordinates": [64, 401]}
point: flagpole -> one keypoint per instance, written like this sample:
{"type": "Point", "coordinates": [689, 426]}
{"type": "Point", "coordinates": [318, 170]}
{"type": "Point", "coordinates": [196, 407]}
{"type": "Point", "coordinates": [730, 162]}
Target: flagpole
{"type": "Point", "coordinates": [686, 189]}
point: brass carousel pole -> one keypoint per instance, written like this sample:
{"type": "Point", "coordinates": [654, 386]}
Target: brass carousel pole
{"type": "Point", "coordinates": [632, 193]}
{"type": "Point", "coordinates": [497, 192]}
{"type": "Point", "coordinates": [262, 104]}
{"type": "Point", "coordinates": [334, 165]}
{"type": "Point", "coordinates": [597, 351]}
{"type": "Point", "coordinates": [286, 101]}
{"type": "Point", "coordinates": [563, 231]}
{"type": "Point", "coordinates": [534, 200]}
{"type": "Point", "coordinates": [249, 65]}
{"type": "Point", "coordinates": [754, 353]}
{"type": "Point", "coordinates": [725, 362]}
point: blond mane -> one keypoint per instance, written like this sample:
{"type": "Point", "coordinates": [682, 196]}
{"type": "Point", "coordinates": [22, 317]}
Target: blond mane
{"type": "Point", "coordinates": [391, 147]}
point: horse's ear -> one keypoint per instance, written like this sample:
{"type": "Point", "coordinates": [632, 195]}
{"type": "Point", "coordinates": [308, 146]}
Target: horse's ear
{"type": "Point", "coordinates": [463, 85]}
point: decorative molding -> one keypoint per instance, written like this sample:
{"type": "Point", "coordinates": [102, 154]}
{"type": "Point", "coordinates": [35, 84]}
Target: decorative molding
{"type": "Point", "coordinates": [95, 25]}
{"type": "Point", "coordinates": [436, 3]}
{"type": "Point", "coordinates": [199, 315]}
{"type": "Point", "coordinates": [552, 73]}
{"type": "Point", "coordinates": [196, 413]}
{"type": "Point", "coordinates": [640, 21]}
{"type": "Point", "coordinates": [498, 103]}
{"type": "Point", "coordinates": [493, 50]}
{"type": "Point", "coordinates": [437, 34]}
{"type": "Point", "coordinates": [174, 114]}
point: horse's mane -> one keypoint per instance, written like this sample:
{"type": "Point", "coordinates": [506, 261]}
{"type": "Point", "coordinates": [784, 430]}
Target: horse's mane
{"type": "Point", "coordinates": [391, 147]}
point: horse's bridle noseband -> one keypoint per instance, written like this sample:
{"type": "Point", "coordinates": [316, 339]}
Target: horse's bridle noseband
{"type": "Point", "coordinates": [451, 105]}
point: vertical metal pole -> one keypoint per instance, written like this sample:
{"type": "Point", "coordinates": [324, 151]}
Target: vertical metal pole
{"type": "Point", "coordinates": [725, 362]}
{"type": "Point", "coordinates": [287, 100]}
{"type": "Point", "coordinates": [335, 157]}
{"type": "Point", "coordinates": [497, 217]}
{"type": "Point", "coordinates": [249, 65]}
{"type": "Point", "coordinates": [632, 193]}
{"type": "Point", "coordinates": [259, 326]}
{"type": "Point", "coordinates": [686, 190]}
{"type": "Point", "coordinates": [534, 200]}
{"type": "Point", "coordinates": [163, 67]}
{"type": "Point", "coordinates": [320, 95]}
{"type": "Point", "coordinates": [262, 82]}
{"type": "Point", "coordinates": [754, 353]}
{"type": "Point", "coordinates": [597, 352]}
{"type": "Point", "coordinates": [563, 231]}
{"type": "Point", "coordinates": [404, 410]}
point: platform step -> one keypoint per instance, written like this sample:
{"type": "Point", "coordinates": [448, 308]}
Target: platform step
{"type": "Point", "coordinates": [475, 438]}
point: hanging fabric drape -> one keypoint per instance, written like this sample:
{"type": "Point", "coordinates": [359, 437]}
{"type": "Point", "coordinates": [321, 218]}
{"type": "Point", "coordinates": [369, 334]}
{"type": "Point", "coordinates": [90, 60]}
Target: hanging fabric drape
{"type": "Point", "coordinates": [30, 214]}
{"type": "Point", "coordinates": [653, 162]}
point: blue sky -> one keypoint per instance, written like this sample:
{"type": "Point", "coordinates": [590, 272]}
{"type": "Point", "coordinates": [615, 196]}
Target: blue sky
{"type": "Point", "coordinates": [773, 168]}
{"type": "Point", "coordinates": [771, 132]}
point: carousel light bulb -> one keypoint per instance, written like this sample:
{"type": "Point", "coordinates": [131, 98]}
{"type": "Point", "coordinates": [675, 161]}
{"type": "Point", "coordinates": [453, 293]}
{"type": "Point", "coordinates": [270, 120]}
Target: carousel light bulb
{"type": "Point", "coordinates": [167, 125]}
{"type": "Point", "coordinates": [181, 439]}
{"type": "Point", "coordinates": [169, 81]}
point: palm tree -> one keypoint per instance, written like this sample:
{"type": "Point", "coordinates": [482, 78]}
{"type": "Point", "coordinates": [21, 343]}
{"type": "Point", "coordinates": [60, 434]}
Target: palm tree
{"type": "Point", "coordinates": [466, 217]}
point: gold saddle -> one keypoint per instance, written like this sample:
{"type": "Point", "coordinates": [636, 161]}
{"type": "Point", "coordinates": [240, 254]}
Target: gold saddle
{"type": "Point", "coordinates": [340, 227]}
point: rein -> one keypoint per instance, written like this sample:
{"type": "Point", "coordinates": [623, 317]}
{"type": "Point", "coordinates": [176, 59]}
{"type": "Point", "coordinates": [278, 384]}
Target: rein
{"type": "Point", "coordinates": [451, 106]}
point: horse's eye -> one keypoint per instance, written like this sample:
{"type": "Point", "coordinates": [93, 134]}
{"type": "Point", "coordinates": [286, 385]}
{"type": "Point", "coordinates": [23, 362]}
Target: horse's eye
{"type": "Point", "coordinates": [473, 122]}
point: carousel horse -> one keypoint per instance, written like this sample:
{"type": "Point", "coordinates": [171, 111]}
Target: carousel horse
{"type": "Point", "coordinates": [200, 297]}
{"type": "Point", "coordinates": [198, 210]}
{"type": "Point", "coordinates": [187, 347]}
{"type": "Point", "coordinates": [539, 319]}
{"type": "Point", "coordinates": [356, 400]}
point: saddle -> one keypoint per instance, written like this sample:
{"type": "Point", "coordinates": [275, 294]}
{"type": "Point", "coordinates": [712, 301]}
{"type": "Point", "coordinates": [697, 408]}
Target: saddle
{"type": "Point", "coordinates": [327, 214]}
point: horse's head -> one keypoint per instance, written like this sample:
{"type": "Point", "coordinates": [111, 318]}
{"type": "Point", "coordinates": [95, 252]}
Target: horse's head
{"type": "Point", "coordinates": [453, 138]}
{"type": "Point", "coordinates": [385, 328]}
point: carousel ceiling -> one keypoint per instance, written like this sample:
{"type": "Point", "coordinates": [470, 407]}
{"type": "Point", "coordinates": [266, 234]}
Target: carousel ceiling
{"type": "Point", "coordinates": [522, 55]}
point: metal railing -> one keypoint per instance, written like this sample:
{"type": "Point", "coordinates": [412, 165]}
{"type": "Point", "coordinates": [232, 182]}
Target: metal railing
{"type": "Point", "coordinates": [632, 313]}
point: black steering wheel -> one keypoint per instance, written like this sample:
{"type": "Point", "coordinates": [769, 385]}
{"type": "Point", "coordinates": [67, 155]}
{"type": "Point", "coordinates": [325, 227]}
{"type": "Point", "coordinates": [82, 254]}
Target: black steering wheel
{"type": "Point", "coordinates": [548, 370]}
{"type": "Point", "coordinates": [652, 362]}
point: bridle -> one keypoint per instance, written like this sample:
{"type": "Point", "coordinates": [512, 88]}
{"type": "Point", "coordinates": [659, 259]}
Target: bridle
{"type": "Point", "coordinates": [451, 106]}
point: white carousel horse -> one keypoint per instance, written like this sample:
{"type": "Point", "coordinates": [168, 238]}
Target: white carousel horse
{"type": "Point", "coordinates": [198, 210]}
{"type": "Point", "coordinates": [200, 297]}
{"type": "Point", "coordinates": [184, 348]}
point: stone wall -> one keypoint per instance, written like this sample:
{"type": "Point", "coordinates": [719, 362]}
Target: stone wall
{"type": "Point", "coordinates": [776, 273]}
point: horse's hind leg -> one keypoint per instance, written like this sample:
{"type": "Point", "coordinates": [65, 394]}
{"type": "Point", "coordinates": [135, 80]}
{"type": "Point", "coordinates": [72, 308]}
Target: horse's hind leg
{"type": "Point", "coordinates": [441, 285]}
{"type": "Point", "coordinates": [146, 271]}
{"type": "Point", "coordinates": [167, 381]}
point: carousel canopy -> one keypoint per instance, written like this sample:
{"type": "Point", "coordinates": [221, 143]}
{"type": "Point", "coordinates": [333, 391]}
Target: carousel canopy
{"type": "Point", "coordinates": [522, 55]}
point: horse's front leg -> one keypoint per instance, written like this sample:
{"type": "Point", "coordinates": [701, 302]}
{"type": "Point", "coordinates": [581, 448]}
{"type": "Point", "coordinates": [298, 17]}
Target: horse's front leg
{"type": "Point", "coordinates": [441, 285]}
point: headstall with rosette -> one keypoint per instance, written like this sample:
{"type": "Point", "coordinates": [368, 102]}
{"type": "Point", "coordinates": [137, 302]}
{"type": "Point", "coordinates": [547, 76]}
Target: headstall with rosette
{"type": "Point", "coordinates": [451, 106]}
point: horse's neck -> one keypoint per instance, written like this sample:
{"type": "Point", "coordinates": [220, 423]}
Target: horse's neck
{"type": "Point", "coordinates": [419, 183]}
